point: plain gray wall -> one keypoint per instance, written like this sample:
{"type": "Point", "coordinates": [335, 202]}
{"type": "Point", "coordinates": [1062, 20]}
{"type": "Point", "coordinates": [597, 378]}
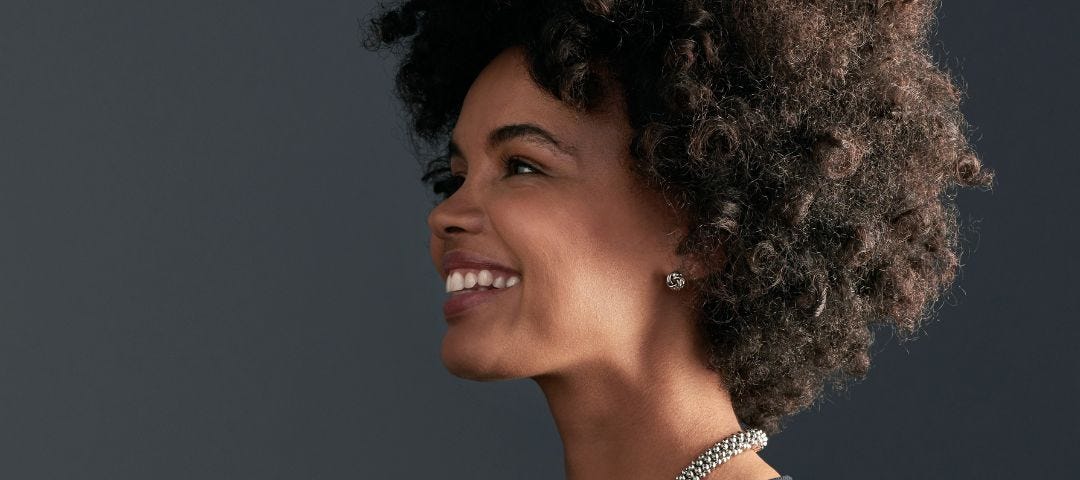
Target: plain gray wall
{"type": "Point", "coordinates": [214, 265]}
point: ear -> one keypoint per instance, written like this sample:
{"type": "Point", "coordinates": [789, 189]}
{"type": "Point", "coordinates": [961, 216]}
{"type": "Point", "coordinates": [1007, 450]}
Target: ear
{"type": "Point", "coordinates": [692, 267]}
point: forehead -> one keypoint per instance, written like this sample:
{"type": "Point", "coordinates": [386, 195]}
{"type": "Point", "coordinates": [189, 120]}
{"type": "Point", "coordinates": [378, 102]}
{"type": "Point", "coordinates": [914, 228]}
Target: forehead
{"type": "Point", "coordinates": [504, 93]}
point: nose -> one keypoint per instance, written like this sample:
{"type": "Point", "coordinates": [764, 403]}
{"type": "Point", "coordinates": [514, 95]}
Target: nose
{"type": "Point", "coordinates": [460, 213]}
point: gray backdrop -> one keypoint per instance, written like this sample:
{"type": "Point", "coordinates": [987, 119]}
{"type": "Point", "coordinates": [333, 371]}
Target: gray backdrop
{"type": "Point", "coordinates": [213, 264]}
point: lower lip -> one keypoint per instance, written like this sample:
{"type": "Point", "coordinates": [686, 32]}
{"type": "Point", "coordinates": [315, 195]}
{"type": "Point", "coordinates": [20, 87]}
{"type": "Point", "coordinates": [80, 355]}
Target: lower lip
{"type": "Point", "coordinates": [459, 302]}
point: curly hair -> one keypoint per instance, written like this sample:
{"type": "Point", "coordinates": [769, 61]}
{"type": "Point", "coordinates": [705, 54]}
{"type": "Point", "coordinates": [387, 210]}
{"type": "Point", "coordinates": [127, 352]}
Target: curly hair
{"type": "Point", "coordinates": [814, 144]}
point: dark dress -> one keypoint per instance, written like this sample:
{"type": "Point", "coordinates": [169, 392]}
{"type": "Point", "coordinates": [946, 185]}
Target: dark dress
{"type": "Point", "coordinates": [785, 477]}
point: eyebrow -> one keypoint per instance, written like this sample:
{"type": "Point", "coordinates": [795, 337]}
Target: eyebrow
{"type": "Point", "coordinates": [530, 132]}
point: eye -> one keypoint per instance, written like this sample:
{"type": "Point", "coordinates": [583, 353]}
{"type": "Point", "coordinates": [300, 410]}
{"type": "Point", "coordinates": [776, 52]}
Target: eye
{"type": "Point", "coordinates": [513, 163]}
{"type": "Point", "coordinates": [449, 183]}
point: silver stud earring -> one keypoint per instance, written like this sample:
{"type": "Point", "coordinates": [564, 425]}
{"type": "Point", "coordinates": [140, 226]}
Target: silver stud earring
{"type": "Point", "coordinates": [676, 280]}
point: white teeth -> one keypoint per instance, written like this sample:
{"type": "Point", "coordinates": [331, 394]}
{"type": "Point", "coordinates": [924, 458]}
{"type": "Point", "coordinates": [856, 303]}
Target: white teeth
{"type": "Point", "coordinates": [463, 280]}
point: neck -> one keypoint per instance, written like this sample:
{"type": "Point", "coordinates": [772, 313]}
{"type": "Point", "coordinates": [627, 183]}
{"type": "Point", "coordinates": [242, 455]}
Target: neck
{"type": "Point", "coordinates": [646, 416]}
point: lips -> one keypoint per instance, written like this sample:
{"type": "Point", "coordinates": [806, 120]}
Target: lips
{"type": "Point", "coordinates": [459, 302]}
{"type": "Point", "coordinates": [471, 260]}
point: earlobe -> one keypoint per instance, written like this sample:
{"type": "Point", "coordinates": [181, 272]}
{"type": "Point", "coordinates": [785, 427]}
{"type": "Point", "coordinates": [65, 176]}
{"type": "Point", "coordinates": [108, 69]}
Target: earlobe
{"type": "Point", "coordinates": [688, 266]}
{"type": "Point", "coordinates": [687, 271]}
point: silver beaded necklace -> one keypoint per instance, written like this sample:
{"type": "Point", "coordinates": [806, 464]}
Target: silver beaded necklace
{"type": "Point", "coordinates": [722, 452]}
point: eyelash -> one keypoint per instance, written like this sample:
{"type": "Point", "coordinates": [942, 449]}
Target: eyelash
{"type": "Point", "coordinates": [451, 183]}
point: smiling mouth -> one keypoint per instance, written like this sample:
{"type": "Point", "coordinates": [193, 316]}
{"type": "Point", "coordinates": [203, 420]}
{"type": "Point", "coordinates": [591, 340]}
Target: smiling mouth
{"type": "Point", "coordinates": [462, 279]}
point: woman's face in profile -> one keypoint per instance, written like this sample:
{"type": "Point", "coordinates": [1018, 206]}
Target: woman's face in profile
{"type": "Point", "coordinates": [562, 211]}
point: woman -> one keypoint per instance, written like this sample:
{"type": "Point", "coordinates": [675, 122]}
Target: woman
{"type": "Point", "coordinates": [681, 217]}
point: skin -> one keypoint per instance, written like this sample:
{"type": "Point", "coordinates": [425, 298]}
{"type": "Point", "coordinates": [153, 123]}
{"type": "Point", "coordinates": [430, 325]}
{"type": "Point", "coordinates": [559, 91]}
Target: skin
{"type": "Point", "coordinates": [614, 351]}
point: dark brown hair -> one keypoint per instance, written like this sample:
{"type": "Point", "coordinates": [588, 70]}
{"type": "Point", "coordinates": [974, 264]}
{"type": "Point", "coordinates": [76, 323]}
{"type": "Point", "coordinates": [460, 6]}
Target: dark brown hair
{"type": "Point", "coordinates": [814, 145]}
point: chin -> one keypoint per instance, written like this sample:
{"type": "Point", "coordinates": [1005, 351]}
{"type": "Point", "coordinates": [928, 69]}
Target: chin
{"type": "Point", "coordinates": [475, 361]}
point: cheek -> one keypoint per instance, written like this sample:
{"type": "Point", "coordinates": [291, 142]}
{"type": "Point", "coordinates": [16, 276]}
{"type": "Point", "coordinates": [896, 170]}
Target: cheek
{"type": "Point", "coordinates": [586, 252]}
{"type": "Point", "coordinates": [569, 236]}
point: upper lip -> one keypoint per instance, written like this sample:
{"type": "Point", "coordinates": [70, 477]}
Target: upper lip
{"type": "Point", "coordinates": [455, 259]}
